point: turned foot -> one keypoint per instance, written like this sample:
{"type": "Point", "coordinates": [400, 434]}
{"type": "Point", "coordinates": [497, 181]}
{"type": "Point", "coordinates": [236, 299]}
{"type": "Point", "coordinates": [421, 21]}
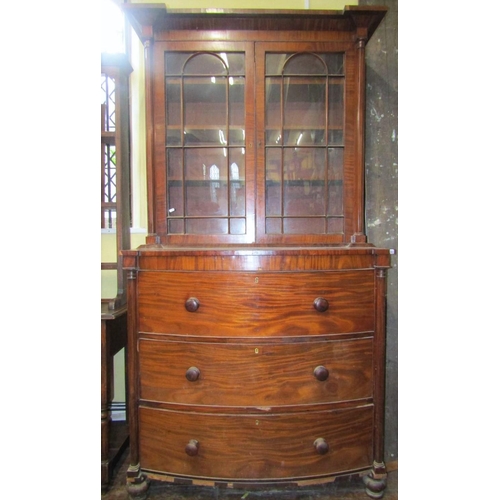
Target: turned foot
{"type": "Point", "coordinates": [376, 481]}
{"type": "Point", "coordinates": [137, 484]}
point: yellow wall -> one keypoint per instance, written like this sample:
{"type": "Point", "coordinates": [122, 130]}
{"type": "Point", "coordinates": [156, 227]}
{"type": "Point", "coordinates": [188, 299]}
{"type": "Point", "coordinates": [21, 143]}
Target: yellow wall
{"type": "Point", "coordinates": [108, 254]}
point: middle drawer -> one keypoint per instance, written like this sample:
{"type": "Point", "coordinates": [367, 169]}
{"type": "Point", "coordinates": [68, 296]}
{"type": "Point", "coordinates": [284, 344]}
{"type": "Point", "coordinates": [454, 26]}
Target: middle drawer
{"type": "Point", "coordinates": [256, 374]}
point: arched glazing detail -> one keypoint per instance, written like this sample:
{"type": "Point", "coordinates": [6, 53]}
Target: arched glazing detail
{"type": "Point", "coordinates": [205, 142]}
{"type": "Point", "coordinates": [304, 143]}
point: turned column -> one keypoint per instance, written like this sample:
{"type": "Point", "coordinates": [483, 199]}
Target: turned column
{"type": "Point", "coordinates": [359, 156]}
{"type": "Point", "coordinates": [137, 483]}
{"type": "Point", "coordinates": [376, 480]}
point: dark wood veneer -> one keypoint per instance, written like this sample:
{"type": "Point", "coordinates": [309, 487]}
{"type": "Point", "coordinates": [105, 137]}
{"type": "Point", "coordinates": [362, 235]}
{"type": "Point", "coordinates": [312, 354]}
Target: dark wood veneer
{"type": "Point", "coordinates": [256, 304]}
{"type": "Point", "coordinates": [264, 375]}
{"type": "Point", "coordinates": [238, 447]}
{"type": "Point", "coordinates": [259, 355]}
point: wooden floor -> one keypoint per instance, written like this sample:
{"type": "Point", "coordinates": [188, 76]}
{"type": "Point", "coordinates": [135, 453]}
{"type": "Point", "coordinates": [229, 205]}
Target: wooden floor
{"type": "Point", "coordinates": [342, 489]}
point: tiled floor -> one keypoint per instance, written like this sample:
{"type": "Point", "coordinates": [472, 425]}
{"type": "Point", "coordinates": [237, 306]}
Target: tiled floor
{"type": "Point", "coordinates": [342, 489]}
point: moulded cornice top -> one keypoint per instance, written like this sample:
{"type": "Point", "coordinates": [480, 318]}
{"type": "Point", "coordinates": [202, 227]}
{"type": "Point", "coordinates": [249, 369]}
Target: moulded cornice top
{"type": "Point", "coordinates": [146, 19]}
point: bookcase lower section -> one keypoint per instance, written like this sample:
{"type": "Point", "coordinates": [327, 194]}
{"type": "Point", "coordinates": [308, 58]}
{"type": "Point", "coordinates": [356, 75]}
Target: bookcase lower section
{"type": "Point", "coordinates": [256, 367]}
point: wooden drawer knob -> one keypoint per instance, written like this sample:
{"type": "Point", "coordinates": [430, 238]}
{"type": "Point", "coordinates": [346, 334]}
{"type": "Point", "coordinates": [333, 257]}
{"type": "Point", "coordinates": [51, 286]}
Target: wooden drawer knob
{"type": "Point", "coordinates": [321, 446]}
{"type": "Point", "coordinates": [321, 304]}
{"type": "Point", "coordinates": [192, 304]}
{"type": "Point", "coordinates": [193, 374]}
{"type": "Point", "coordinates": [321, 373]}
{"type": "Point", "coordinates": [192, 448]}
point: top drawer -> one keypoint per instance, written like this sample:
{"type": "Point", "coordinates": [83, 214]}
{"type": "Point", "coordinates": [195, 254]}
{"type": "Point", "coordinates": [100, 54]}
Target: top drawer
{"type": "Point", "coordinates": [255, 304]}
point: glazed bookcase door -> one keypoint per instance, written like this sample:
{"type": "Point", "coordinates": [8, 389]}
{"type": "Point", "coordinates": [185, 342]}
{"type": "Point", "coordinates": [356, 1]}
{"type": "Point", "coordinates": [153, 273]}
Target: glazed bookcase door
{"type": "Point", "coordinates": [305, 119]}
{"type": "Point", "coordinates": [204, 162]}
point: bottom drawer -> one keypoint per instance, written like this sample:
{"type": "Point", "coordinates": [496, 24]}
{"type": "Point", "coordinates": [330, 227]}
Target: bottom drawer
{"type": "Point", "coordinates": [241, 447]}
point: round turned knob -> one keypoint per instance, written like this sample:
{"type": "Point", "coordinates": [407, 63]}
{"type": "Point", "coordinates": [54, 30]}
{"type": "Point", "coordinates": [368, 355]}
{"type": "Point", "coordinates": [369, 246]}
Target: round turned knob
{"type": "Point", "coordinates": [192, 448]}
{"type": "Point", "coordinates": [321, 304]}
{"type": "Point", "coordinates": [321, 373]}
{"type": "Point", "coordinates": [193, 374]}
{"type": "Point", "coordinates": [192, 304]}
{"type": "Point", "coordinates": [321, 446]}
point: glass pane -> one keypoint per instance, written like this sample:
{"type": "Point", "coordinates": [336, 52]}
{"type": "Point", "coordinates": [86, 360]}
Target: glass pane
{"type": "Point", "coordinates": [205, 111]}
{"type": "Point", "coordinates": [334, 63]}
{"type": "Point", "coordinates": [176, 226]}
{"type": "Point", "coordinates": [207, 226]}
{"type": "Point", "coordinates": [335, 181]}
{"type": "Point", "coordinates": [299, 65]}
{"type": "Point", "coordinates": [235, 62]}
{"type": "Point", "coordinates": [205, 174]}
{"type": "Point", "coordinates": [273, 110]}
{"type": "Point", "coordinates": [303, 226]}
{"type": "Point", "coordinates": [237, 181]}
{"type": "Point", "coordinates": [273, 226]}
{"type": "Point", "coordinates": [335, 225]}
{"type": "Point", "coordinates": [336, 112]}
{"type": "Point", "coordinates": [305, 64]}
{"type": "Point", "coordinates": [273, 182]}
{"type": "Point", "coordinates": [206, 169]}
{"type": "Point", "coordinates": [205, 64]}
{"type": "Point", "coordinates": [175, 192]}
{"type": "Point", "coordinates": [237, 136]}
{"type": "Point", "coordinates": [237, 226]}
{"type": "Point", "coordinates": [304, 110]}
{"type": "Point", "coordinates": [237, 111]}
{"type": "Point", "coordinates": [174, 62]}
{"type": "Point", "coordinates": [275, 63]}
{"type": "Point", "coordinates": [304, 189]}
{"type": "Point", "coordinates": [173, 111]}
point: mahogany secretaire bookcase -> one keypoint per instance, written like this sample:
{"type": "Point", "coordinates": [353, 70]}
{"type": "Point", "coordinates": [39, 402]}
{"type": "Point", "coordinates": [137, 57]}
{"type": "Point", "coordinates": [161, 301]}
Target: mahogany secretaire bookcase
{"type": "Point", "coordinates": [256, 309]}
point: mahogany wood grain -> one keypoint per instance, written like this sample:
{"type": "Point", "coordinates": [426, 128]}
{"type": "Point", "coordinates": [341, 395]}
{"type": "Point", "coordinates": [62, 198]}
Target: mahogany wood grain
{"type": "Point", "coordinates": [256, 304]}
{"type": "Point", "coordinates": [247, 375]}
{"type": "Point", "coordinates": [239, 21]}
{"type": "Point", "coordinates": [258, 357]}
{"type": "Point", "coordinates": [261, 446]}
{"type": "Point", "coordinates": [250, 259]}
{"type": "Point", "coordinates": [135, 476]}
{"type": "Point", "coordinates": [379, 367]}
{"type": "Point", "coordinates": [254, 34]}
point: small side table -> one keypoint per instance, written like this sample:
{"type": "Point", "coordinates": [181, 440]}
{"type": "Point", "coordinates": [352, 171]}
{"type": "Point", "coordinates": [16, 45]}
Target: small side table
{"type": "Point", "coordinates": [114, 435]}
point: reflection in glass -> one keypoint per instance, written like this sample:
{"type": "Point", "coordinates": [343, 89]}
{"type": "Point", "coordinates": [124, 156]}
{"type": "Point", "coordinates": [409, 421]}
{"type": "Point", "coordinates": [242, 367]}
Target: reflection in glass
{"type": "Point", "coordinates": [237, 184]}
{"type": "Point", "coordinates": [335, 181]}
{"type": "Point", "coordinates": [205, 64]}
{"type": "Point", "coordinates": [205, 139]}
{"type": "Point", "coordinates": [173, 111]}
{"type": "Point", "coordinates": [305, 64]}
{"type": "Point", "coordinates": [304, 115]}
{"type": "Point", "coordinates": [208, 94]}
{"type": "Point", "coordinates": [304, 191]}
{"type": "Point", "coordinates": [336, 112]}
{"type": "Point", "coordinates": [334, 63]}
